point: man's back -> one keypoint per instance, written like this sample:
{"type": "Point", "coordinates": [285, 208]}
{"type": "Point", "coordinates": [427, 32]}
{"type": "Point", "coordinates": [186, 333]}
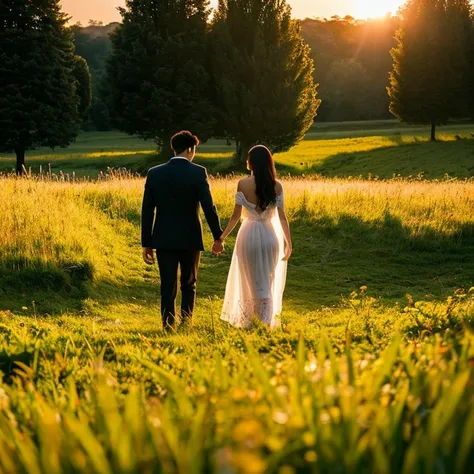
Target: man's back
{"type": "Point", "coordinates": [173, 193]}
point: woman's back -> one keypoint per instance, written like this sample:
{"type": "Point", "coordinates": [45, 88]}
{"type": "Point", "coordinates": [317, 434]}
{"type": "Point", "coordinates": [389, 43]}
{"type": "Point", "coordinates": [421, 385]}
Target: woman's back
{"type": "Point", "coordinates": [248, 187]}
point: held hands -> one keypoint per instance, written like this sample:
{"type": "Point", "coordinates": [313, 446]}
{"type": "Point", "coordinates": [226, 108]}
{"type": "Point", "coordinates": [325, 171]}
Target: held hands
{"type": "Point", "coordinates": [148, 256]}
{"type": "Point", "coordinates": [218, 247]}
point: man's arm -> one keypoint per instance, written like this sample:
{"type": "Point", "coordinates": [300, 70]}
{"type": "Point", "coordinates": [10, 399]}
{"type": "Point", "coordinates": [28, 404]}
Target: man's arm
{"type": "Point", "coordinates": [207, 203]}
{"type": "Point", "coordinates": [148, 216]}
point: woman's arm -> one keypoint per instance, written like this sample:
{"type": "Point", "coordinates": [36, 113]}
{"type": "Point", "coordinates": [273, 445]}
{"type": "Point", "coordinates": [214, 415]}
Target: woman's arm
{"type": "Point", "coordinates": [284, 222]}
{"type": "Point", "coordinates": [286, 232]}
{"type": "Point", "coordinates": [234, 220]}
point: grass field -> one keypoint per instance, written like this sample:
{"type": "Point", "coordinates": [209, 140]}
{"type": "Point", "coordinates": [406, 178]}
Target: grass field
{"type": "Point", "coordinates": [361, 149]}
{"type": "Point", "coordinates": [377, 379]}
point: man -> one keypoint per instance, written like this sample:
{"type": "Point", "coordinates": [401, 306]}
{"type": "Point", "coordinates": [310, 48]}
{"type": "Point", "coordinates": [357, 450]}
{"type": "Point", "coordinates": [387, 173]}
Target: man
{"type": "Point", "coordinates": [171, 224]}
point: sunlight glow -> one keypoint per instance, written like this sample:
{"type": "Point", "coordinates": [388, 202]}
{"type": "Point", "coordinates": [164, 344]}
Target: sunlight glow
{"type": "Point", "coordinates": [376, 8]}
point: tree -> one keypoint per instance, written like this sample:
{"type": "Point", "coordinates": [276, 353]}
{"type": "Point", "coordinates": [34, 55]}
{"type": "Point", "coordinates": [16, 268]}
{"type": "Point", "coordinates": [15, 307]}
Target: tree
{"type": "Point", "coordinates": [38, 99]}
{"type": "Point", "coordinates": [157, 82]}
{"type": "Point", "coordinates": [263, 75]}
{"type": "Point", "coordinates": [428, 83]}
{"type": "Point", "coordinates": [83, 84]}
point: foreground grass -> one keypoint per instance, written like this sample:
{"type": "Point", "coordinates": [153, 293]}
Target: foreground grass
{"type": "Point", "coordinates": [361, 149]}
{"type": "Point", "coordinates": [356, 381]}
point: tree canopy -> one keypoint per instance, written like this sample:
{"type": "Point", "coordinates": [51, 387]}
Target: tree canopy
{"type": "Point", "coordinates": [38, 91]}
{"type": "Point", "coordinates": [157, 80]}
{"type": "Point", "coordinates": [263, 75]}
{"type": "Point", "coordinates": [429, 81]}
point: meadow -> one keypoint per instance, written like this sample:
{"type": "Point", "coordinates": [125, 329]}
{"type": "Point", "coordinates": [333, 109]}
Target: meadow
{"type": "Point", "coordinates": [372, 370]}
{"type": "Point", "coordinates": [381, 149]}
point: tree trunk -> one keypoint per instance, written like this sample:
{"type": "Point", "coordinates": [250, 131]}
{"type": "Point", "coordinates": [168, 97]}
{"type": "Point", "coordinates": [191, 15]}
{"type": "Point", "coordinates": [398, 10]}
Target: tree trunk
{"type": "Point", "coordinates": [433, 131]}
{"type": "Point", "coordinates": [241, 154]}
{"type": "Point", "coordinates": [166, 153]}
{"type": "Point", "coordinates": [20, 160]}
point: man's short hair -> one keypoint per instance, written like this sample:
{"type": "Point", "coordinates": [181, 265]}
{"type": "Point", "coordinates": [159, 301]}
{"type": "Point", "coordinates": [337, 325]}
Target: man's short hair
{"type": "Point", "coordinates": [183, 141]}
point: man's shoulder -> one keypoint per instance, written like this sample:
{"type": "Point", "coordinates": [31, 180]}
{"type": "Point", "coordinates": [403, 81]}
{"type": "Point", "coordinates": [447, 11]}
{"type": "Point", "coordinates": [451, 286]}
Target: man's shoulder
{"type": "Point", "coordinates": [156, 169]}
{"type": "Point", "coordinates": [198, 168]}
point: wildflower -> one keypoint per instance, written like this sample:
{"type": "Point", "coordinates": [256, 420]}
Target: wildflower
{"type": "Point", "coordinates": [250, 433]}
{"type": "Point", "coordinates": [24, 308]}
{"type": "Point", "coordinates": [310, 456]}
{"type": "Point", "coordinates": [309, 439]}
{"type": "Point", "coordinates": [287, 470]}
{"type": "Point", "coordinates": [364, 289]}
{"type": "Point", "coordinates": [325, 418]}
{"type": "Point", "coordinates": [155, 422]}
{"type": "Point", "coordinates": [274, 443]}
{"type": "Point", "coordinates": [282, 390]}
{"type": "Point", "coordinates": [335, 413]}
{"type": "Point", "coordinates": [280, 417]}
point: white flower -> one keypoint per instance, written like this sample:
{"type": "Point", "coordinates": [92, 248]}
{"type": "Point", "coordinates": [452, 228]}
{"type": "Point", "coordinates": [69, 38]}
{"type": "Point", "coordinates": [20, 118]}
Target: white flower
{"type": "Point", "coordinates": [325, 418]}
{"type": "Point", "coordinates": [280, 417]}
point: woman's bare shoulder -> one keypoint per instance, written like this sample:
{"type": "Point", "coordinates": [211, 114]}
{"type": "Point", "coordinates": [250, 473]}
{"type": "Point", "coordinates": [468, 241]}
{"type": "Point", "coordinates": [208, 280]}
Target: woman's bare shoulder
{"type": "Point", "coordinates": [278, 187]}
{"type": "Point", "coordinates": [244, 184]}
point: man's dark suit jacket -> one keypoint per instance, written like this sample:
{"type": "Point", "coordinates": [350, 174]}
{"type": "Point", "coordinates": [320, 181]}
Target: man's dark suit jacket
{"type": "Point", "coordinates": [170, 213]}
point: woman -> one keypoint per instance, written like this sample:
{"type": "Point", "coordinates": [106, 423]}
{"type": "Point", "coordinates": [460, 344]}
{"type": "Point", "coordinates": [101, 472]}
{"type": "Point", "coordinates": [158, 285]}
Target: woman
{"type": "Point", "coordinates": [257, 275]}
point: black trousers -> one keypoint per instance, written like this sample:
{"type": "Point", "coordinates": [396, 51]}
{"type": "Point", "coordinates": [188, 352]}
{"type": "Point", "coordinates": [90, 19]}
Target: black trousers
{"type": "Point", "coordinates": [168, 262]}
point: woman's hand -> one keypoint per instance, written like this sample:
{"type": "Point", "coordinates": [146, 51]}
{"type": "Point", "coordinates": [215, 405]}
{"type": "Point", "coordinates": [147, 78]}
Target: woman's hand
{"type": "Point", "coordinates": [288, 251]}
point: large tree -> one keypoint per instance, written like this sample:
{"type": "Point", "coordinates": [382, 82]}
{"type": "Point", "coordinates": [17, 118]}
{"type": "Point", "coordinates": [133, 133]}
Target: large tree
{"type": "Point", "coordinates": [263, 75]}
{"type": "Point", "coordinates": [38, 97]}
{"type": "Point", "coordinates": [157, 82]}
{"type": "Point", "coordinates": [428, 84]}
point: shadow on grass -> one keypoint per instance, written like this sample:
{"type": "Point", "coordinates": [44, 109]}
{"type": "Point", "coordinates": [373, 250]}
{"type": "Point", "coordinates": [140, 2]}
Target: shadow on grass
{"type": "Point", "coordinates": [432, 160]}
{"type": "Point", "coordinates": [334, 257]}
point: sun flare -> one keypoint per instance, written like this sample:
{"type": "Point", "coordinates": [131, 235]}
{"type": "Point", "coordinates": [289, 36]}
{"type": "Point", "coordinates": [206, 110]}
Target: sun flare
{"type": "Point", "coordinates": [376, 8]}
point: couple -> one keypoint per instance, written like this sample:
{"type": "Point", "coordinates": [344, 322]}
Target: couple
{"type": "Point", "coordinates": [171, 226]}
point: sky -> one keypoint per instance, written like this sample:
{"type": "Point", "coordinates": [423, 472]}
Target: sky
{"type": "Point", "coordinates": [106, 10]}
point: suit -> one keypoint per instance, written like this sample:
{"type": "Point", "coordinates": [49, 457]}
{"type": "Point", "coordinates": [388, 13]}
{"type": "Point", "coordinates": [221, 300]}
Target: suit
{"type": "Point", "coordinates": [171, 224]}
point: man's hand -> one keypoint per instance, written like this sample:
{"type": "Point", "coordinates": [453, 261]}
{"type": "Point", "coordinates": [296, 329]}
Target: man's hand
{"type": "Point", "coordinates": [148, 256]}
{"type": "Point", "coordinates": [218, 247]}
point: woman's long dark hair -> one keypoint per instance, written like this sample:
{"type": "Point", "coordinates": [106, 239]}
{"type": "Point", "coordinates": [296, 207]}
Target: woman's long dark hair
{"type": "Point", "coordinates": [263, 168]}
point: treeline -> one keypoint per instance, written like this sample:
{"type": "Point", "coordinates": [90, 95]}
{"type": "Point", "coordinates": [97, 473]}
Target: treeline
{"type": "Point", "coordinates": [352, 65]}
{"type": "Point", "coordinates": [94, 45]}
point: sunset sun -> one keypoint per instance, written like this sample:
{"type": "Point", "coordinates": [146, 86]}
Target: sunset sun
{"type": "Point", "coordinates": [376, 8]}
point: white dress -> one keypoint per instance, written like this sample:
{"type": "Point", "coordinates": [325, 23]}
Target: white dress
{"type": "Point", "coordinates": [257, 275]}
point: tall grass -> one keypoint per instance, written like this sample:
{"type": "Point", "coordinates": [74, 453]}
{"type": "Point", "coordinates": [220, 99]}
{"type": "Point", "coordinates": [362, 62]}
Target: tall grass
{"type": "Point", "coordinates": [360, 386]}
{"type": "Point", "coordinates": [232, 408]}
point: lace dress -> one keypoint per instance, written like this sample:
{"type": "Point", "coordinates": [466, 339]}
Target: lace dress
{"type": "Point", "coordinates": [257, 275]}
